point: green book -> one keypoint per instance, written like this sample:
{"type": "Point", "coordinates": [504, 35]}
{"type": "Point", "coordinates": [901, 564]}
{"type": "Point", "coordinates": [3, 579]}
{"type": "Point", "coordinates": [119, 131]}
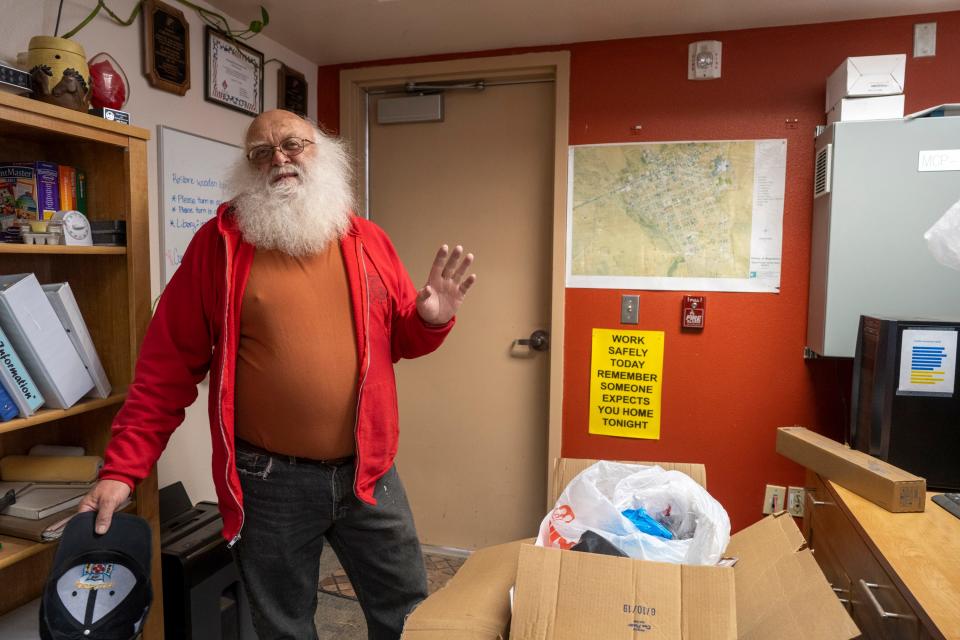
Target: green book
{"type": "Point", "coordinates": [81, 187]}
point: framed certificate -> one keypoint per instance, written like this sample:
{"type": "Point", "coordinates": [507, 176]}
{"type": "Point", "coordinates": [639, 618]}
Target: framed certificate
{"type": "Point", "coordinates": [233, 74]}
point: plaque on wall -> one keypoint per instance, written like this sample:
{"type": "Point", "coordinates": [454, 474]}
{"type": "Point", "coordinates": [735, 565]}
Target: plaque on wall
{"type": "Point", "coordinates": [233, 73]}
{"type": "Point", "coordinates": [291, 91]}
{"type": "Point", "coordinates": [166, 41]}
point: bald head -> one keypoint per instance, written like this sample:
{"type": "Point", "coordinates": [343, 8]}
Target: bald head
{"type": "Point", "coordinates": [275, 126]}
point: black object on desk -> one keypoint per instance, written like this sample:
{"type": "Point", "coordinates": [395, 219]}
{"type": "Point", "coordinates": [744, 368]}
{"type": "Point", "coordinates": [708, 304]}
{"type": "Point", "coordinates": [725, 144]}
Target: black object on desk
{"type": "Point", "coordinates": [949, 501]}
{"type": "Point", "coordinates": [9, 498]}
{"type": "Point", "coordinates": [203, 598]}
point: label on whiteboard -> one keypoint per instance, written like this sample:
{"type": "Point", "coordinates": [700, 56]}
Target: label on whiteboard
{"type": "Point", "coordinates": [939, 160]}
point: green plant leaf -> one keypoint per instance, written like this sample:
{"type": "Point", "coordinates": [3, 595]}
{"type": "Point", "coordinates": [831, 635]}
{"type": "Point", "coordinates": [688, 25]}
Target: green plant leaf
{"type": "Point", "coordinates": [265, 17]}
{"type": "Point", "coordinates": [256, 26]}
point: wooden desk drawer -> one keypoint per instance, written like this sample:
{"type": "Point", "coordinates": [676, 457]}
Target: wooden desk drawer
{"type": "Point", "coordinates": [876, 605]}
{"type": "Point", "coordinates": [829, 524]}
{"type": "Point", "coordinates": [881, 611]}
{"type": "Point", "coordinates": [835, 573]}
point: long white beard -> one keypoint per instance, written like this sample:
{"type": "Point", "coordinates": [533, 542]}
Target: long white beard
{"type": "Point", "coordinates": [301, 216]}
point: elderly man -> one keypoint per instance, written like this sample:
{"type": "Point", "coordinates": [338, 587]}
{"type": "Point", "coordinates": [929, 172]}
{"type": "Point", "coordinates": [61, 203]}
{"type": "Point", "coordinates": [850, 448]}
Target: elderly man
{"type": "Point", "coordinates": [298, 310]}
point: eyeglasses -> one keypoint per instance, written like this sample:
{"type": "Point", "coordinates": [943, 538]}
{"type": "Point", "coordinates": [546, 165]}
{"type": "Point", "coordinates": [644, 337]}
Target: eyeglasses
{"type": "Point", "coordinates": [290, 147]}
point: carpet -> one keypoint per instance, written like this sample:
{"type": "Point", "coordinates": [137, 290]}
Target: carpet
{"type": "Point", "coordinates": [440, 568]}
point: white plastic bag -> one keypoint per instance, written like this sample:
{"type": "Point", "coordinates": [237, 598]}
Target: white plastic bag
{"type": "Point", "coordinates": [943, 238]}
{"type": "Point", "coordinates": [596, 498]}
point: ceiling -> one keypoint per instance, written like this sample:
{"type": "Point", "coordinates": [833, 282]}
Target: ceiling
{"type": "Point", "coordinates": [335, 31]}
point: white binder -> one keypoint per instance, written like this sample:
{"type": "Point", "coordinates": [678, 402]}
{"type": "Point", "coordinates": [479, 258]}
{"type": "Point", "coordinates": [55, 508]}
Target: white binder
{"type": "Point", "coordinates": [64, 304]}
{"type": "Point", "coordinates": [32, 325]}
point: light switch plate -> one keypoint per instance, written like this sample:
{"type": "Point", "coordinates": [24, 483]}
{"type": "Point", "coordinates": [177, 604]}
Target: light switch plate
{"type": "Point", "coordinates": [630, 309]}
{"type": "Point", "coordinates": [773, 499]}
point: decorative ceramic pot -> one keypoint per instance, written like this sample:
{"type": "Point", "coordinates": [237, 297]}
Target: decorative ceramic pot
{"type": "Point", "coordinates": [60, 73]}
{"type": "Point", "coordinates": [109, 86]}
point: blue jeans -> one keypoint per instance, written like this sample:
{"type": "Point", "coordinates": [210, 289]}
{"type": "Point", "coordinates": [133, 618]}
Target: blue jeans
{"type": "Point", "coordinates": [291, 505]}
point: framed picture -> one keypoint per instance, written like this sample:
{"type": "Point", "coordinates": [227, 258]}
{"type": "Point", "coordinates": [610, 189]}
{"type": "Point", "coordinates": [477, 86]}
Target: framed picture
{"type": "Point", "coordinates": [291, 90]}
{"type": "Point", "coordinates": [166, 42]}
{"type": "Point", "coordinates": [233, 73]}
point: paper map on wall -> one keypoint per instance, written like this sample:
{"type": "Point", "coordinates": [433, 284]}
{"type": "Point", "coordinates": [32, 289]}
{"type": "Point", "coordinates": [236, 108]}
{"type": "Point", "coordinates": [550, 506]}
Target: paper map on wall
{"type": "Point", "coordinates": [704, 216]}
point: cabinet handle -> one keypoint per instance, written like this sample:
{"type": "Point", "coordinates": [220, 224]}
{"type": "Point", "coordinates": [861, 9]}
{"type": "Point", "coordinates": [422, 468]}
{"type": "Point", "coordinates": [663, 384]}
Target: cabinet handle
{"type": "Point", "coordinates": [868, 588]}
{"type": "Point", "coordinates": [838, 591]}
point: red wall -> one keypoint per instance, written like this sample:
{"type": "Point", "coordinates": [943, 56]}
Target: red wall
{"type": "Point", "coordinates": [728, 388]}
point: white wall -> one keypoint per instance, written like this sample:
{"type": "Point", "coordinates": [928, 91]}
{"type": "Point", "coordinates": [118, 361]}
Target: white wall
{"type": "Point", "coordinates": [187, 457]}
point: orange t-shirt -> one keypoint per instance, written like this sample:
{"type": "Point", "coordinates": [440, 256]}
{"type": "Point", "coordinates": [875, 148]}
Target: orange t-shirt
{"type": "Point", "coordinates": [296, 387]}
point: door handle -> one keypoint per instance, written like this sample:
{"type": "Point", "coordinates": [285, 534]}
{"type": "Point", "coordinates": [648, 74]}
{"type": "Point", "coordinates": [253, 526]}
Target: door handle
{"type": "Point", "coordinates": [539, 340]}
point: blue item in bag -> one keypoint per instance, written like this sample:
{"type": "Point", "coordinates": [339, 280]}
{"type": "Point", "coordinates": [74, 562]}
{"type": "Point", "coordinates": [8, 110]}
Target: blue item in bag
{"type": "Point", "coordinates": [645, 522]}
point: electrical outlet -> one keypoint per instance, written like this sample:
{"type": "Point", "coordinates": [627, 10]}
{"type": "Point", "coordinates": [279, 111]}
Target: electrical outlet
{"type": "Point", "coordinates": [795, 500]}
{"type": "Point", "coordinates": [773, 498]}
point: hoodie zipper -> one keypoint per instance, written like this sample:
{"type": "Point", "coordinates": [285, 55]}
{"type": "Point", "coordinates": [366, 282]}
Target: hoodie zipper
{"type": "Point", "coordinates": [223, 363]}
{"type": "Point", "coordinates": [366, 365]}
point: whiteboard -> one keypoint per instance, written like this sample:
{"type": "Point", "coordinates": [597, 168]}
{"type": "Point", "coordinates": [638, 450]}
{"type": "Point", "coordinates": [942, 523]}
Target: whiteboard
{"type": "Point", "coordinates": [192, 174]}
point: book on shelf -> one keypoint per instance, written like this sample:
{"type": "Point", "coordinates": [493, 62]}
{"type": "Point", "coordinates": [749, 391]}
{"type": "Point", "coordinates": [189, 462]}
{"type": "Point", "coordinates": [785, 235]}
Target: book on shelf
{"type": "Point", "coordinates": [45, 529]}
{"type": "Point", "coordinates": [8, 408]}
{"type": "Point", "coordinates": [16, 379]}
{"type": "Point", "coordinates": [64, 304]}
{"type": "Point", "coordinates": [42, 530]}
{"type": "Point", "coordinates": [37, 500]}
{"type": "Point", "coordinates": [68, 187]}
{"type": "Point", "coordinates": [81, 193]}
{"type": "Point", "coordinates": [29, 320]}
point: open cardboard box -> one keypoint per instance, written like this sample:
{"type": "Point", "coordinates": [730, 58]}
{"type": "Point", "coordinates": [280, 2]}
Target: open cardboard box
{"type": "Point", "coordinates": [775, 590]}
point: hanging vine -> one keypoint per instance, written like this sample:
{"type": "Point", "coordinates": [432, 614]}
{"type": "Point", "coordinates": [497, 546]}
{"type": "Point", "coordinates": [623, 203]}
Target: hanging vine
{"type": "Point", "coordinates": [211, 18]}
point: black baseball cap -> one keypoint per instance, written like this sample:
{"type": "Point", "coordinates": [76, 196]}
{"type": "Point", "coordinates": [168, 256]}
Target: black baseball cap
{"type": "Point", "coordinates": [99, 587]}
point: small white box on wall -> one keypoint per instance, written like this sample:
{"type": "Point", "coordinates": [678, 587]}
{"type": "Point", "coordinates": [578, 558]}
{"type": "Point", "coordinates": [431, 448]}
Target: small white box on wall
{"type": "Point", "coordinates": [864, 76]}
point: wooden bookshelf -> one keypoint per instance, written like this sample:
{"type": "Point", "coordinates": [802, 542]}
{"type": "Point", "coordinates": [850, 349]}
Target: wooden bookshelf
{"type": "Point", "coordinates": [15, 550]}
{"type": "Point", "coordinates": [50, 249]}
{"type": "Point", "coordinates": [112, 288]}
{"type": "Point", "coordinates": [49, 415]}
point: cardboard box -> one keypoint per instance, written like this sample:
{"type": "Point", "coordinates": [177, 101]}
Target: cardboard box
{"type": "Point", "coordinates": [474, 604]}
{"type": "Point", "coordinates": [781, 591]}
{"type": "Point", "coordinates": [775, 590]}
{"type": "Point", "coordinates": [568, 595]}
{"type": "Point", "coordinates": [879, 482]}
{"type": "Point", "coordinates": [866, 76]}
{"type": "Point", "coordinates": [858, 109]}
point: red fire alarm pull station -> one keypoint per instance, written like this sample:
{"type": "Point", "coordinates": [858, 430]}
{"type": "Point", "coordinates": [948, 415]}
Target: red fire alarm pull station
{"type": "Point", "coordinates": [694, 314]}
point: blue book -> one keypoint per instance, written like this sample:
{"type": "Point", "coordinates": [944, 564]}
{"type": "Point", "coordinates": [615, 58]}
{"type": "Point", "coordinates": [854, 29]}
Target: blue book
{"type": "Point", "coordinates": [16, 381]}
{"type": "Point", "coordinates": [8, 409]}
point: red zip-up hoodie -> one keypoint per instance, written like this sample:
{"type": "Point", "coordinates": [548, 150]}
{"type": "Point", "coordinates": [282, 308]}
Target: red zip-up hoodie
{"type": "Point", "coordinates": [196, 329]}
